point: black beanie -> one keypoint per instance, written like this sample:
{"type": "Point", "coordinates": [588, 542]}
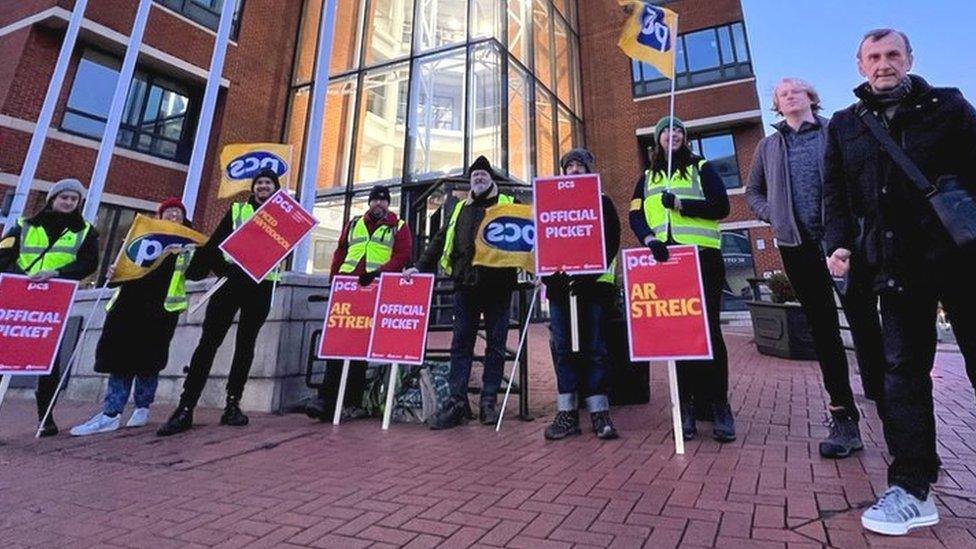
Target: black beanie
{"type": "Point", "coordinates": [481, 163]}
{"type": "Point", "coordinates": [380, 192]}
{"type": "Point", "coordinates": [270, 174]}
{"type": "Point", "coordinates": [580, 155]}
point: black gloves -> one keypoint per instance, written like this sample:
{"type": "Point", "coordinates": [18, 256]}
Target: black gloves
{"type": "Point", "coordinates": [557, 283]}
{"type": "Point", "coordinates": [366, 279]}
{"type": "Point", "coordinates": [668, 199]}
{"type": "Point", "coordinates": [659, 250]}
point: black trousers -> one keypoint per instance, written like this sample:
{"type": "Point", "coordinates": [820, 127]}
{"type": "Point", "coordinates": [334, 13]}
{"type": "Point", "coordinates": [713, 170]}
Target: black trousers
{"type": "Point", "coordinates": [908, 319]}
{"type": "Point", "coordinates": [46, 385]}
{"type": "Point", "coordinates": [708, 379]}
{"type": "Point", "coordinates": [355, 385]}
{"type": "Point", "coordinates": [254, 302]}
{"type": "Point", "coordinates": [807, 270]}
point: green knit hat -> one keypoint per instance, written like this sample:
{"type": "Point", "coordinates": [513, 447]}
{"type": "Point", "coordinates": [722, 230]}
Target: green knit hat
{"type": "Point", "coordinates": [663, 124]}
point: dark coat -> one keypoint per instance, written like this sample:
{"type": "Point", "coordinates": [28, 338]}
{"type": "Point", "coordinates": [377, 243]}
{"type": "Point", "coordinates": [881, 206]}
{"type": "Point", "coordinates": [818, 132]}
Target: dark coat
{"type": "Point", "coordinates": [138, 330]}
{"type": "Point", "coordinates": [871, 207]}
{"type": "Point", "coordinates": [587, 284]}
{"type": "Point", "coordinates": [54, 224]}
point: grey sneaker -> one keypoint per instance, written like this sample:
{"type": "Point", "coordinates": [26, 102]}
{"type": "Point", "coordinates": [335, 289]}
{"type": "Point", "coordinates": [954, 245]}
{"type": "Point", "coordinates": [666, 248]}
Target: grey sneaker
{"type": "Point", "coordinates": [844, 438]}
{"type": "Point", "coordinates": [897, 512]}
{"type": "Point", "coordinates": [99, 423]}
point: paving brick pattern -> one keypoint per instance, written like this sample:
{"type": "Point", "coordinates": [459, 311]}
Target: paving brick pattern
{"type": "Point", "coordinates": [286, 481]}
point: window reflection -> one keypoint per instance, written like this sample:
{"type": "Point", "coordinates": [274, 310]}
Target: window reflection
{"type": "Point", "coordinates": [719, 150]}
{"type": "Point", "coordinates": [545, 162]}
{"type": "Point", "coordinates": [388, 27]}
{"type": "Point", "coordinates": [563, 67]}
{"type": "Point", "coordinates": [565, 132]}
{"type": "Point", "coordinates": [441, 23]}
{"type": "Point", "coordinates": [519, 129]}
{"type": "Point", "coordinates": [518, 29]}
{"type": "Point", "coordinates": [382, 125]}
{"type": "Point", "coordinates": [542, 23]}
{"type": "Point", "coordinates": [486, 19]}
{"type": "Point", "coordinates": [438, 119]}
{"type": "Point", "coordinates": [333, 166]}
{"type": "Point", "coordinates": [486, 103]}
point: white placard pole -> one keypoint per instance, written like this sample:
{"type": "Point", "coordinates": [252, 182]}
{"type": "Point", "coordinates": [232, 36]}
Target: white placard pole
{"type": "Point", "coordinates": [388, 410]}
{"type": "Point", "coordinates": [679, 440]}
{"type": "Point", "coordinates": [574, 322]}
{"type": "Point", "coordinates": [518, 355]}
{"type": "Point", "coordinates": [337, 415]}
{"type": "Point", "coordinates": [4, 385]}
{"type": "Point", "coordinates": [206, 297]}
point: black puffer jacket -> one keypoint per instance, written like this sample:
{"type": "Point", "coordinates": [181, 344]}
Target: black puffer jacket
{"type": "Point", "coordinates": [871, 207]}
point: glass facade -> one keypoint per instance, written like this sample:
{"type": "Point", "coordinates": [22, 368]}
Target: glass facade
{"type": "Point", "coordinates": [419, 88]}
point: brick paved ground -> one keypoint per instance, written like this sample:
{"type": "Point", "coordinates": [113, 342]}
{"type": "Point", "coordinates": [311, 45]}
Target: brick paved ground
{"type": "Point", "coordinates": [285, 480]}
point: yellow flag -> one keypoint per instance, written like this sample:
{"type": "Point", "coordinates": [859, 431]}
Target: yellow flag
{"type": "Point", "coordinates": [506, 238]}
{"type": "Point", "coordinates": [650, 35]}
{"type": "Point", "coordinates": [148, 243]}
{"type": "Point", "coordinates": [240, 162]}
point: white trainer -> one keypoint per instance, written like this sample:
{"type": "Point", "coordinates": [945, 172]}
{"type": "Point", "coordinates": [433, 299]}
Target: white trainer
{"type": "Point", "coordinates": [99, 423]}
{"type": "Point", "coordinates": [897, 512]}
{"type": "Point", "coordinates": [140, 417]}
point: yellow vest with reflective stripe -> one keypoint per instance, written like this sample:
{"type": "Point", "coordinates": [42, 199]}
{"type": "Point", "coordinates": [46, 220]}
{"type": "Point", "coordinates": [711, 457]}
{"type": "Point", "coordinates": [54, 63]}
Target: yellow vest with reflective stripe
{"type": "Point", "coordinates": [449, 238]}
{"type": "Point", "coordinates": [376, 247]}
{"type": "Point", "coordinates": [176, 292]}
{"type": "Point", "coordinates": [239, 213]}
{"type": "Point", "coordinates": [34, 241]}
{"type": "Point", "coordinates": [610, 277]}
{"type": "Point", "coordinates": [665, 222]}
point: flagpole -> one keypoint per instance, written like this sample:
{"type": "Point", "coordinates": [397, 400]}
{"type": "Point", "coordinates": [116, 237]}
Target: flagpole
{"type": "Point", "coordinates": [674, 69]}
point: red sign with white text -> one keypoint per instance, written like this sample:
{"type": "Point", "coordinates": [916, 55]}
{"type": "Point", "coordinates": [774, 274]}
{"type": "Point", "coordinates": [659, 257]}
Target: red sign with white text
{"type": "Point", "coordinates": [33, 316]}
{"type": "Point", "coordinates": [666, 316]}
{"type": "Point", "coordinates": [568, 225]}
{"type": "Point", "coordinates": [349, 321]}
{"type": "Point", "coordinates": [264, 240]}
{"type": "Point", "coordinates": [401, 317]}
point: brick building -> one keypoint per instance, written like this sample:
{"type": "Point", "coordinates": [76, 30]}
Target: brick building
{"type": "Point", "coordinates": [418, 88]}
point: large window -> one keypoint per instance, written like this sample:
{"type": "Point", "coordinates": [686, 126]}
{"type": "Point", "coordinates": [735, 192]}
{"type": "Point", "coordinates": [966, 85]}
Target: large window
{"type": "Point", "coordinates": [719, 150]}
{"type": "Point", "coordinates": [707, 56]}
{"type": "Point", "coordinates": [205, 12]}
{"type": "Point", "coordinates": [739, 268]}
{"type": "Point", "coordinates": [158, 117]}
{"type": "Point", "coordinates": [113, 223]}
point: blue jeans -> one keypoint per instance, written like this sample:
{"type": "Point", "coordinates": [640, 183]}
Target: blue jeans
{"type": "Point", "coordinates": [119, 388]}
{"type": "Point", "coordinates": [469, 305]}
{"type": "Point", "coordinates": [586, 371]}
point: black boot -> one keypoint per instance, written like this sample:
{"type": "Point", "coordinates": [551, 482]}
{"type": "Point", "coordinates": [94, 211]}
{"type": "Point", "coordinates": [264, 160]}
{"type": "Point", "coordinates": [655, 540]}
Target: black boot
{"type": "Point", "coordinates": [50, 428]}
{"type": "Point", "coordinates": [488, 413]}
{"type": "Point", "coordinates": [724, 428]}
{"type": "Point", "coordinates": [845, 435]}
{"type": "Point", "coordinates": [566, 423]}
{"type": "Point", "coordinates": [688, 428]}
{"type": "Point", "coordinates": [233, 415]}
{"type": "Point", "coordinates": [181, 420]}
{"type": "Point", "coordinates": [603, 425]}
{"type": "Point", "coordinates": [453, 414]}
{"type": "Point", "coordinates": [318, 408]}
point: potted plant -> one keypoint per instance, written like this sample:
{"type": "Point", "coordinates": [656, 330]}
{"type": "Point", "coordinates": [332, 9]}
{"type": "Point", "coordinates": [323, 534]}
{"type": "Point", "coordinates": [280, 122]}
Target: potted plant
{"type": "Point", "coordinates": [779, 326]}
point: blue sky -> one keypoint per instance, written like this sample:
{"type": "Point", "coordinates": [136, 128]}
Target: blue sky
{"type": "Point", "coordinates": [817, 40]}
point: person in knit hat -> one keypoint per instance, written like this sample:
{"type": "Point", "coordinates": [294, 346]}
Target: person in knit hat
{"type": "Point", "coordinates": [139, 326]}
{"type": "Point", "coordinates": [238, 294]}
{"type": "Point", "coordinates": [584, 373]}
{"type": "Point", "coordinates": [55, 242]}
{"type": "Point", "coordinates": [478, 291]}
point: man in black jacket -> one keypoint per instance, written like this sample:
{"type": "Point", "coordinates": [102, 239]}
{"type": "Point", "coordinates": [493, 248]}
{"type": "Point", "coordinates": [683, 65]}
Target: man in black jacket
{"type": "Point", "coordinates": [477, 291]}
{"type": "Point", "coordinates": [877, 220]}
{"type": "Point", "coordinates": [239, 293]}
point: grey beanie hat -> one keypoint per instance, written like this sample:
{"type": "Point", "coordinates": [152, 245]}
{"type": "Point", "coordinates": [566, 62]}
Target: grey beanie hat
{"type": "Point", "coordinates": [580, 155]}
{"type": "Point", "coordinates": [69, 184]}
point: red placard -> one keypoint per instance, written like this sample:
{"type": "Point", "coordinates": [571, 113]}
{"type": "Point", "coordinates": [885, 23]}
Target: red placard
{"type": "Point", "coordinates": [666, 317]}
{"type": "Point", "coordinates": [568, 225]}
{"type": "Point", "coordinates": [32, 320]}
{"type": "Point", "coordinates": [401, 317]}
{"type": "Point", "coordinates": [265, 239]}
{"type": "Point", "coordinates": [348, 324]}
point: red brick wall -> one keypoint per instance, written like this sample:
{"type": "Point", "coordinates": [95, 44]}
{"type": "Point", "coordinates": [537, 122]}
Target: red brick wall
{"type": "Point", "coordinates": [612, 117]}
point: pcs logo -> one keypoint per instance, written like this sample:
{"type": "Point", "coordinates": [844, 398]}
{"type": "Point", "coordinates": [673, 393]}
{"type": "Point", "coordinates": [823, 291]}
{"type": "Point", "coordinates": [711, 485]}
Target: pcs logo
{"type": "Point", "coordinates": [146, 249]}
{"type": "Point", "coordinates": [247, 165]}
{"type": "Point", "coordinates": [654, 32]}
{"type": "Point", "coordinates": [510, 234]}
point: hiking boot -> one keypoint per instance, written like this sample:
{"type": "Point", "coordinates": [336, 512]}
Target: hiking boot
{"type": "Point", "coordinates": [488, 414]}
{"type": "Point", "coordinates": [565, 423]}
{"type": "Point", "coordinates": [897, 512]}
{"type": "Point", "coordinates": [233, 416]}
{"type": "Point", "coordinates": [181, 420]}
{"type": "Point", "coordinates": [603, 425]}
{"type": "Point", "coordinates": [99, 423]}
{"type": "Point", "coordinates": [844, 438]}
{"type": "Point", "coordinates": [688, 428]}
{"type": "Point", "coordinates": [139, 418]}
{"type": "Point", "coordinates": [453, 414]}
{"type": "Point", "coordinates": [723, 430]}
{"type": "Point", "coordinates": [319, 409]}
{"type": "Point", "coordinates": [353, 412]}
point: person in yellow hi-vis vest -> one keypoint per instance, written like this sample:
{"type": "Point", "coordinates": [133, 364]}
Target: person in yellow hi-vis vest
{"type": "Point", "coordinates": [134, 345]}
{"type": "Point", "coordinates": [53, 243]}
{"type": "Point", "coordinates": [239, 293]}
{"type": "Point", "coordinates": [686, 209]}
{"type": "Point", "coordinates": [478, 291]}
{"type": "Point", "coordinates": [370, 244]}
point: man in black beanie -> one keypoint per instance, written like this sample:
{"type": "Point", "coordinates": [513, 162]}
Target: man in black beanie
{"type": "Point", "coordinates": [239, 293]}
{"type": "Point", "coordinates": [477, 291]}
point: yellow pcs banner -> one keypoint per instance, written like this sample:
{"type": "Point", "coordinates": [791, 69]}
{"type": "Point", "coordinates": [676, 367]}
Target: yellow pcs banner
{"type": "Point", "coordinates": [650, 35]}
{"type": "Point", "coordinates": [148, 243]}
{"type": "Point", "coordinates": [506, 238]}
{"type": "Point", "coordinates": [240, 162]}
